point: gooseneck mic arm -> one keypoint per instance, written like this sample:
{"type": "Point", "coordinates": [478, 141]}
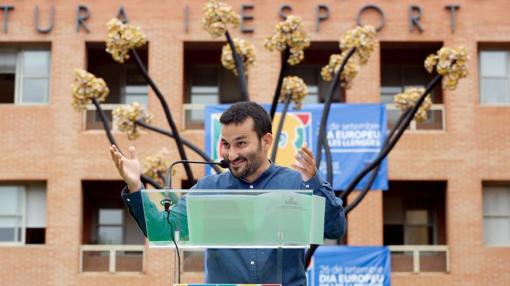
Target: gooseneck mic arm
{"type": "Point", "coordinates": [166, 202]}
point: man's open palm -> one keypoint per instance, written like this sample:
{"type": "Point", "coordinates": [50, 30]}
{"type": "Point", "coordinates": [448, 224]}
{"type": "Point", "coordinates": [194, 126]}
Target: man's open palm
{"type": "Point", "coordinates": [129, 169]}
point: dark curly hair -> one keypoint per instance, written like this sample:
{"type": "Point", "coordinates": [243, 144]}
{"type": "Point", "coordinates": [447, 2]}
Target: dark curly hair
{"type": "Point", "coordinates": [238, 112]}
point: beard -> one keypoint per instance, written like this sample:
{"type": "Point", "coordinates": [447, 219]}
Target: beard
{"type": "Point", "coordinates": [251, 162]}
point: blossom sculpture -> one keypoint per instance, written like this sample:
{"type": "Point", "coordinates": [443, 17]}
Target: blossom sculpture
{"type": "Point", "coordinates": [127, 116]}
{"type": "Point", "coordinates": [122, 38]}
{"type": "Point", "coordinates": [244, 48]}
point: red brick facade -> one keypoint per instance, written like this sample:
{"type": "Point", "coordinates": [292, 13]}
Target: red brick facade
{"type": "Point", "coordinates": [49, 143]}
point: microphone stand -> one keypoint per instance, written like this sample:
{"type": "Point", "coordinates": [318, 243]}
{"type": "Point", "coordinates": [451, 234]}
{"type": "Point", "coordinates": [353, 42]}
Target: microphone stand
{"type": "Point", "coordinates": [167, 202]}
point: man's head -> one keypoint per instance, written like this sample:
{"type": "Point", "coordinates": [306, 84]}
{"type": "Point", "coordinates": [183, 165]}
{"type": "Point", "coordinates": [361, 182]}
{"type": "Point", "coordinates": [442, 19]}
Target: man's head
{"type": "Point", "coordinates": [245, 137]}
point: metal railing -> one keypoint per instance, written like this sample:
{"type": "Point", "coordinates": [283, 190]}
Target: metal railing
{"type": "Point", "coordinates": [420, 258]}
{"type": "Point", "coordinates": [92, 121]}
{"type": "Point", "coordinates": [193, 115]}
{"type": "Point", "coordinates": [436, 118]}
{"type": "Point", "coordinates": [103, 258]}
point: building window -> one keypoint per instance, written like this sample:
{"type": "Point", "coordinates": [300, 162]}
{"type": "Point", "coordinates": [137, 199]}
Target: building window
{"type": "Point", "coordinates": [24, 76]}
{"type": "Point", "coordinates": [126, 83]}
{"type": "Point", "coordinates": [22, 214]}
{"type": "Point", "coordinates": [414, 217]}
{"type": "Point", "coordinates": [316, 57]}
{"type": "Point", "coordinates": [110, 226]}
{"type": "Point", "coordinates": [495, 77]}
{"type": "Point", "coordinates": [414, 213]}
{"type": "Point", "coordinates": [206, 82]}
{"type": "Point", "coordinates": [496, 214]}
{"type": "Point", "coordinates": [112, 241]}
{"type": "Point", "coordinates": [401, 68]}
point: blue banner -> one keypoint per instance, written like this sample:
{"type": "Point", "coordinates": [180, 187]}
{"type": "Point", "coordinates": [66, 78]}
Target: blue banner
{"type": "Point", "coordinates": [350, 266]}
{"type": "Point", "coordinates": [355, 135]}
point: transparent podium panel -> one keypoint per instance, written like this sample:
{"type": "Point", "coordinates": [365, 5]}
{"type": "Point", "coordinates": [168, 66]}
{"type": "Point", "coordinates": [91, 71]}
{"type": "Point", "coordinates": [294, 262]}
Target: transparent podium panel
{"type": "Point", "coordinates": [224, 219]}
{"type": "Point", "coordinates": [234, 236]}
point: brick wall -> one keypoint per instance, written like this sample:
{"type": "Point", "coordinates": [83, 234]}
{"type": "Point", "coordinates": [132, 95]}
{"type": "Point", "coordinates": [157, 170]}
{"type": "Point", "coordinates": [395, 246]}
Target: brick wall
{"type": "Point", "coordinates": [48, 142]}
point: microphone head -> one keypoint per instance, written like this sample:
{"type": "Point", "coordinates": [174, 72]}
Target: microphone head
{"type": "Point", "coordinates": [223, 164]}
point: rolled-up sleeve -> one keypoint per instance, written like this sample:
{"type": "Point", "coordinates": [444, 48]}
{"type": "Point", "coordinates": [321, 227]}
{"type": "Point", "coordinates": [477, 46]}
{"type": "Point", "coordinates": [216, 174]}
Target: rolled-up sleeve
{"type": "Point", "coordinates": [334, 220]}
{"type": "Point", "coordinates": [133, 202]}
{"type": "Point", "coordinates": [155, 220]}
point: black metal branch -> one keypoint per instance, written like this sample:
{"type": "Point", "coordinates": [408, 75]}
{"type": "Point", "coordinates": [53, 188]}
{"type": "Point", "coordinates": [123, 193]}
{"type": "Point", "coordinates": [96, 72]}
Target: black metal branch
{"type": "Point", "coordinates": [322, 127]}
{"type": "Point", "coordinates": [107, 128]}
{"type": "Point", "coordinates": [280, 127]}
{"type": "Point", "coordinates": [364, 192]}
{"type": "Point", "coordinates": [184, 141]}
{"type": "Point", "coordinates": [327, 103]}
{"type": "Point", "coordinates": [283, 71]}
{"type": "Point", "coordinates": [148, 180]}
{"type": "Point", "coordinates": [329, 160]}
{"type": "Point", "coordinates": [399, 129]}
{"type": "Point", "coordinates": [168, 115]}
{"type": "Point", "coordinates": [239, 67]}
{"type": "Point", "coordinates": [161, 176]}
{"type": "Point", "coordinates": [309, 253]}
{"type": "Point", "coordinates": [374, 172]}
{"type": "Point", "coordinates": [393, 141]}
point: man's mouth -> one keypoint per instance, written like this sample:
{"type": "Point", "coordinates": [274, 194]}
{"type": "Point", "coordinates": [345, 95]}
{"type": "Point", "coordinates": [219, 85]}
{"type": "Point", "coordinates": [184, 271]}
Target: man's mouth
{"type": "Point", "coordinates": [237, 163]}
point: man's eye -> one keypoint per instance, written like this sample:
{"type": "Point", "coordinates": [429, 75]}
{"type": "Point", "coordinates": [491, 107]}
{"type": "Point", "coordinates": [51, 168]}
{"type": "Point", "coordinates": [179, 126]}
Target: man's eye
{"type": "Point", "coordinates": [225, 145]}
{"type": "Point", "coordinates": [242, 143]}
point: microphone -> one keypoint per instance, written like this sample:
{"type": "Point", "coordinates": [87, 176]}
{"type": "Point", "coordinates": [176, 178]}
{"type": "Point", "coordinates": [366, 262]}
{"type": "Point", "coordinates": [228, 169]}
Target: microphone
{"type": "Point", "coordinates": [167, 201]}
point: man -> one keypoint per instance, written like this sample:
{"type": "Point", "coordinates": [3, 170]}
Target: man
{"type": "Point", "coordinates": [246, 139]}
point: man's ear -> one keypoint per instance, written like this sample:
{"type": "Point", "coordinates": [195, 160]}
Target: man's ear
{"type": "Point", "coordinates": [267, 139]}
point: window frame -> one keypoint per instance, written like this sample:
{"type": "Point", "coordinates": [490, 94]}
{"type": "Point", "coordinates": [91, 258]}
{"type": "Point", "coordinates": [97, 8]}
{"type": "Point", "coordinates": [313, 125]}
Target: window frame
{"type": "Point", "coordinates": [401, 201]}
{"type": "Point", "coordinates": [316, 70]}
{"type": "Point", "coordinates": [22, 196]}
{"type": "Point", "coordinates": [123, 84]}
{"type": "Point", "coordinates": [122, 72]}
{"type": "Point", "coordinates": [482, 77]}
{"type": "Point", "coordinates": [20, 75]}
{"type": "Point", "coordinates": [122, 225]}
{"type": "Point", "coordinates": [409, 69]}
{"type": "Point", "coordinates": [190, 107]}
{"type": "Point", "coordinates": [487, 188]}
{"type": "Point", "coordinates": [431, 223]}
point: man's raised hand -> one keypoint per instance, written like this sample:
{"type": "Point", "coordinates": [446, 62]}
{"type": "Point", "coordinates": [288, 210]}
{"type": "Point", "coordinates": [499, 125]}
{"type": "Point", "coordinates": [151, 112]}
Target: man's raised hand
{"type": "Point", "coordinates": [129, 169]}
{"type": "Point", "coordinates": [305, 163]}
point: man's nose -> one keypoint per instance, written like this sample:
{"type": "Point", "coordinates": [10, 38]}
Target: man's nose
{"type": "Point", "coordinates": [232, 155]}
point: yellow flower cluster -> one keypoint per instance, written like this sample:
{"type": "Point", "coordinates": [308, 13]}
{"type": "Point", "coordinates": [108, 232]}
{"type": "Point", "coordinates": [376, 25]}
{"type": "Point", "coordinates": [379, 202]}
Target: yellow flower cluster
{"type": "Point", "coordinates": [450, 63]}
{"type": "Point", "coordinates": [363, 39]}
{"type": "Point", "coordinates": [245, 50]}
{"type": "Point", "coordinates": [157, 163]}
{"type": "Point", "coordinates": [407, 100]}
{"type": "Point", "coordinates": [126, 116]}
{"type": "Point", "coordinates": [289, 34]}
{"type": "Point", "coordinates": [85, 87]}
{"type": "Point", "coordinates": [349, 73]}
{"type": "Point", "coordinates": [217, 15]}
{"type": "Point", "coordinates": [296, 88]}
{"type": "Point", "coordinates": [121, 38]}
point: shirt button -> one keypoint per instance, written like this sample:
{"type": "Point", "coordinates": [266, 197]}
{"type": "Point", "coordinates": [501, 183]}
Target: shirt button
{"type": "Point", "coordinates": [251, 187]}
{"type": "Point", "coordinates": [128, 200]}
{"type": "Point", "coordinates": [252, 262]}
{"type": "Point", "coordinates": [307, 186]}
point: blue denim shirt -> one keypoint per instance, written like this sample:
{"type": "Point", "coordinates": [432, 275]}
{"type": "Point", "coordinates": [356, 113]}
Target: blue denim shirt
{"type": "Point", "coordinates": [250, 266]}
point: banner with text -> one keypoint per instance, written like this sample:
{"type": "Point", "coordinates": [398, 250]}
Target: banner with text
{"type": "Point", "coordinates": [355, 134]}
{"type": "Point", "coordinates": [350, 266]}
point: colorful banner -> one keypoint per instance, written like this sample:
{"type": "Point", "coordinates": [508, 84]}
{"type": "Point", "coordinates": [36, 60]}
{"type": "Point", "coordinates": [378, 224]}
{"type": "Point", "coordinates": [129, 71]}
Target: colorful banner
{"type": "Point", "coordinates": [355, 135]}
{"type": "Point", "coordinates": [350, 266]}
